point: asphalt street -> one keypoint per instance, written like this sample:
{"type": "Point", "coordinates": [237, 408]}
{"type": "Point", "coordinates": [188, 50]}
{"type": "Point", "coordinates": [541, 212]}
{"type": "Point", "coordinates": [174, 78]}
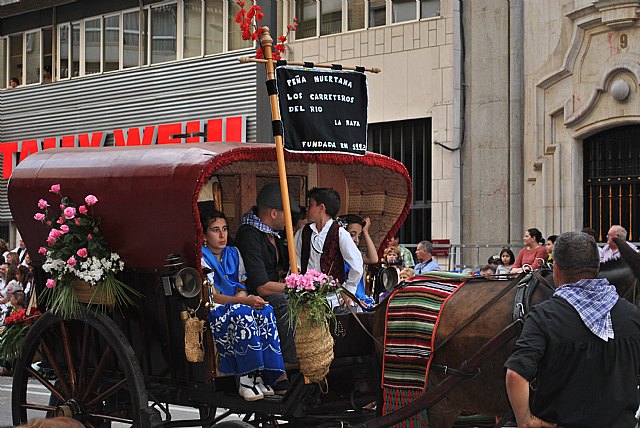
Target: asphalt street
{"type": "Point", "coordinates": [38, 393]}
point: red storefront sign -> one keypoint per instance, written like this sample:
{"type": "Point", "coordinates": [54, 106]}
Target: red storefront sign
{"type": "Point", "coordinates": [221, 129]}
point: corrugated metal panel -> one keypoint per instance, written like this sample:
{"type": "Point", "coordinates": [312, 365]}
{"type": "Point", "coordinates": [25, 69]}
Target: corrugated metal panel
{"type": "Point", "coordinates": [198, 89]}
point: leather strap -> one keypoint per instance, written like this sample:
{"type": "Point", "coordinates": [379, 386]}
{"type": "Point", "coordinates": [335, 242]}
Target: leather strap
{"type": "Point", "coordinates": [477, 313]}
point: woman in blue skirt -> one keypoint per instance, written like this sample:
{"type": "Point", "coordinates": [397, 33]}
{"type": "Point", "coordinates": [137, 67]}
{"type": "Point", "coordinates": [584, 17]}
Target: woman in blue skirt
{"type": "Point", "coordinates": [243, 326]}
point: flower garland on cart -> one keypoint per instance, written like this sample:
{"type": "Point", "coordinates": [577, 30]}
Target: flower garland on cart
{"type": "Point", "coordinates": [79, 260]}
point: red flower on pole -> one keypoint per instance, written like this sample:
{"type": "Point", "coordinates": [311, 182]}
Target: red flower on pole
{"type": "Point", "coordinates": [248, 21]}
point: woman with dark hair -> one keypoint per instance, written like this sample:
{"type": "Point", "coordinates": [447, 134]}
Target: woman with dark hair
{"type": "Point", "coordinates": [533, 254]}
{"type": "Point", "coordinates": [358, 229]}
{"type": "Point", "coordinates": [551, 242]}
{"type": "Point", "coordinates": [243, 326]}
{"type": "Point", "coordinates": [507, 259]}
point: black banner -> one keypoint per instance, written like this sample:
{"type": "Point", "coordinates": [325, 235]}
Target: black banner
{"type": "Point", "coordinates": [323, 111]}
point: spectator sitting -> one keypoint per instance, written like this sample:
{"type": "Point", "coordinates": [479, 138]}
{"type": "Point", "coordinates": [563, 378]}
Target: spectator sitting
{"type": "Point", "coordinates": [427, 264]}
{"type": "Point", "coordinates": [507, 259]}
{"type": "Point", "coordinates": [551, 241]}
{"type": "Point", "coordinates": [533, 254]}
{"type": "Point", "coordinates": [494, 260]}
{"type": "Point", "coordinates": [12, 258]}
{"type": "Point", "coordinates": [392, 256]}
{"type": "Point", "coordinates": [13, 83]}
{"type": "Point", "coordinates": [610, 251]}
{"type": "Point", "coordinates": [46, 74]}
{"type": "Point", "coordinates": [487, 270]}
{"type": "Point", "coordinates": [405, 253]}
{"type": "Point", "coordinates": [406, 273]}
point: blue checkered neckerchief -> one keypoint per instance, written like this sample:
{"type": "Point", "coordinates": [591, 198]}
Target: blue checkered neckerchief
{"type": "Point", "coordinates": [252, 219]}
{"type": "Point", "coordinates": [593, 300]}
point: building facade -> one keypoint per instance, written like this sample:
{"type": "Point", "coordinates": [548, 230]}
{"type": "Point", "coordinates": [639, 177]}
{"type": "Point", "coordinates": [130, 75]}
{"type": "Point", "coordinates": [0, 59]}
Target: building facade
{"type": "Point", "coordinates": [508, 115]}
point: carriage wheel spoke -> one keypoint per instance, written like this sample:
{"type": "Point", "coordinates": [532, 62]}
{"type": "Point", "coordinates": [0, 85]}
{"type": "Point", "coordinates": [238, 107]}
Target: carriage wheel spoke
{"type": "Point", "coordinates": [84, 357]}
{"type": "Point", "coordinates": [106, 394]}
{"type": "Point", "coordinates": [66, 344]}
{"type": "Point", "coordinates": [110, 418]}
{"type": "Point", "coordinates": [41, 407]}
{"type": "Point", "coordinates": [45, 383]}
{"type": "Point", "coordinates": [98, 373]}
{"type": "Point", "coordinates": [56, 368]}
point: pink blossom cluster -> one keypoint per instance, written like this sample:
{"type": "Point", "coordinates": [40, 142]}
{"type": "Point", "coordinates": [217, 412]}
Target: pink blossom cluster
{"type": "Point", "coordinates": [309, 281]}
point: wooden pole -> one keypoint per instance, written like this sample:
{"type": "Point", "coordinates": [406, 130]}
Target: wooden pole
{"type": "Point", "coordinates": [267, 45]}
{"type": "Point", "coordinates": [245, 59]}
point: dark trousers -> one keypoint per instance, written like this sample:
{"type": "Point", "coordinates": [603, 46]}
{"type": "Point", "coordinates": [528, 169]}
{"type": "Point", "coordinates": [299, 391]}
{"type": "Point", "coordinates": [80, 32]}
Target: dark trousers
{"type": "Point", "coordinates": [279, 302]}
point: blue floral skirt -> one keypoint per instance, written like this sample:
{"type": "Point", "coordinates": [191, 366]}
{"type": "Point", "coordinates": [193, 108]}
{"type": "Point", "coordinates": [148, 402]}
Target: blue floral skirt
{"type": "Point", "coordinates": [247, 340]}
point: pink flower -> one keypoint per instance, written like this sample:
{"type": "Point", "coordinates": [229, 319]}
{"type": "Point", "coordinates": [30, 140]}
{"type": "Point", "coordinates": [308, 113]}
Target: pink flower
{"type": "Point", "coordinates": [90, 200]}
{"type": "Point", "coordinates": [60, 220]}
{"type": "Point", "coordinates": [62, 206]}
{"type": "Point", "coordinates": [55, 188]}
{"type": "Point", "coordinates": [51, 240]}
{"type": "Point", "coordinates": [82, 252]}
{"type": "Point", "coordinates": [77, 221]}
{"type": "Point", "coordinates": [64, 228]}
{"type": "Point", "coordinates": [39, 216]}
{"type": "Point", "coordinates": [54, 233]}
{"type": "Point", "coordinates": [82, 209]}
{"type": "Point", "coordinates": [89, 236]}
{"type": "Point", "coordinates": [42, 251]}
{"type": "Point", "coordinates": [71, 261]}
{"type": "Point", "coordinates": [48, 222]}
{"type": "Point", "coordinates": [69, 213]}
{"type": "Point", "coordinates": [51, 283]}
{"type": "Point", "coordinates": [42, 204]}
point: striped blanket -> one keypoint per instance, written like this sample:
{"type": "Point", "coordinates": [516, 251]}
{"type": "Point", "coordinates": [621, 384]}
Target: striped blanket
{"type": "Point", "coordinates": [412, 319]}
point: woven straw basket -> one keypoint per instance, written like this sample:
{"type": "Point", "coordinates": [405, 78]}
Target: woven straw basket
{"type": "Point", "coordinates": [314, 347]}
{"type": "Point", "coordinates": [85, 293]}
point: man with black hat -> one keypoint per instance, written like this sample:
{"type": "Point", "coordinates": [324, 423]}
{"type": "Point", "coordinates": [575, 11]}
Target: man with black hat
{"type": "Point", "coordinates": [266, 260]}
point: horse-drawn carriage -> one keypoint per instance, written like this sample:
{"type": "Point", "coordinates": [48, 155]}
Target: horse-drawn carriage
{"type": "Point", "coordinates": [128, 364]}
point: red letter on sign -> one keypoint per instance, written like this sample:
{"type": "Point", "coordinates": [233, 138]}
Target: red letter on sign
{"type": "Point", "coordinates": [132, 136]}
{"type": "Point", "coordinates": [166, 133]}
{"type": "Point", "coordinates": [28, 147]}
{"type": "Point", "coordinates": [97, 139]}
{"type": "Point", "coordinates": [50, 143]}
{"type": "Point", "coordinates": [68, 141]}
{"type": "Point", "coordinates": [214, 130]}
{"type": "Point", "coordinates": [235, 129]}
{"type": "Point", "coordinates": [8, 150]}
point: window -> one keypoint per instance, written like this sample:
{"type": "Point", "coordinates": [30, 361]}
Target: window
{"type": "Point", "coordinates": [15, 57]}
{"type": "Point", "coordinates": [111, 43]}
{"type": "Point", "coordinates": [307, 13]}
{"type": "Point", "coordinates": [4, 79]}
{"type": "Point", "coordinates": [429, 8]}
{"type": "Point", "coordinates": [163, 33]}
{"type": "Point", "coordinates": [330, 17]}
{"type": "Point", "coordinates": [131, 39]}
{"type": "Point", "coordinates": [403, 10]}
{"type": "Point", "coordinates": [92, 43]}
{"type": "Point", "coordinates": [355, 14]}
{"type": "Point", "coordinates": [214, 26]}
{"type": "Point", "coordinates": [235, 35]}
{"type": "Point", "coordinates": [325, 17]}
{"type": "Point", "coordinates": [192, 28]}
{"type": "Point", "coordinates": [63, 37]}
{"type": "Point", "coordinates": [47, 55]}
{"type": "Point", "coordinates": [32, 57]}
{"type": "Point", "coordinates": [377, 13]}
{"type": "Point", "coordinates": [409, 142]}
{"type": "Point", "coordinates": [75, 49]}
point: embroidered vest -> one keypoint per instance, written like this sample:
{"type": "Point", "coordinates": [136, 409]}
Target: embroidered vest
{"type": "Point", "coordinates": [331, 260]}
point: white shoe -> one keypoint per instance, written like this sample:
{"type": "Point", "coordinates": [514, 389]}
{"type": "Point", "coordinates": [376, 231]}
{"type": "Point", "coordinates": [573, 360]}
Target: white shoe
{"type": "Point", "coordinates": [248, 390]}
{"type": "Point", "coordinates": [266, 390]}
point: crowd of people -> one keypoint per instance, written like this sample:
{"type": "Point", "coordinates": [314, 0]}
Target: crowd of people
{"type": "Point", "coordinates": [16, 279]}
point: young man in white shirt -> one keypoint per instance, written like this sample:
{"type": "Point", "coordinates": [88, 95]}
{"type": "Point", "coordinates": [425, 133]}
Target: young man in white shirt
{"type": "Point", "coordinates": [325, 246]}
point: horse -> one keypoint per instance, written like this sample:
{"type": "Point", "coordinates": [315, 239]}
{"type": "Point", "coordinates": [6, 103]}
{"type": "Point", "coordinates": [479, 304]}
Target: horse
{"type": "Point", "coordinates": [486, 393]}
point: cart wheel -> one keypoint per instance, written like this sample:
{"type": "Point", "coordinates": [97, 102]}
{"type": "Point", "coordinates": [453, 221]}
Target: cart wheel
{"type": "Point", "coordinates": [90, 371]}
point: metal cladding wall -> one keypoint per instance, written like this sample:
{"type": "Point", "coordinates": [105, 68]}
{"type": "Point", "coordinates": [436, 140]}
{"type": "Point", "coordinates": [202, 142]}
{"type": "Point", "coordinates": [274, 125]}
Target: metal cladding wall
{"type": "Point", "coordinates": [203, 88]}
{"type": "Point", "coordinates": [189, 90]}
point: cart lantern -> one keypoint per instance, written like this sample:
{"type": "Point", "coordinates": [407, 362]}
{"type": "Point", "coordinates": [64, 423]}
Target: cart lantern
{"type": "Point", "coordinates": [185, 280]}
